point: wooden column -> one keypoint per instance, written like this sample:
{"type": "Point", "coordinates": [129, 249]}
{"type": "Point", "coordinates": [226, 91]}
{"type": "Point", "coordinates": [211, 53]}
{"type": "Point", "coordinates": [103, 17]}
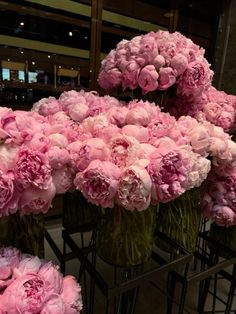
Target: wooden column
{"type": "Point", "coordinates": [95, 46]}
{"type": "Point", "coordinates": [174, 15]}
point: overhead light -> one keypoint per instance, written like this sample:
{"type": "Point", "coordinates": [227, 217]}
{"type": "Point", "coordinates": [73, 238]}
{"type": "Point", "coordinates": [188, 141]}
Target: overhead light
{"type": "Point", "coordinates": [85, 37]}
{"type": "Point", "coordinates": [49, 56]}
{"type": "Point", "coordinates": [70, 34]}
{"type": "Point", "coordinates": [22, 52]}
{"type": "Point", "coordinates": [33, 63]}
{"type": "Point", "coordinates": [72, 68]}
{"type": "Point", "coordinates": [59, 67]}
{"type": "Point", "coordinates": [22, 23]}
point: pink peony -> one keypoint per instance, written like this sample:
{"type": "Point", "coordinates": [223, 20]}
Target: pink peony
{"type": "Point", "coordinates": [167, 78]}
{"type": "Point", "coordinates": [109, 79]}
{"type": "Point", "coordinates": [91, 149]}
{"type": "Point", "coordinates": [148, 79]}
{"type": "Point", "coordinates": [63, 179]}
{"type": "Point", "coordinates": [99, 182]}
{"type": "Point", "coordinates": [124, 150]}
{"type": "Point", "coordinates": [50, 273]}
{"type": "Point", "coordinates": [47, 106]}
{"type": "Point", "coordinates": [57, 157]}
{"type": "Point", "coordinates": [134, 191]}
{"type": "Point", "coordinates": [34, 200]}
{"type": "Point", "coordinates": [137, 131]}
{"type": "Point", "coordinates": [130, 75]}
{"type": "Point", "coordinates": [179, 63]}
{"type": "Point", "coordinates": [71, 295]}
{"type": "Point", "coordinates": [32, 169]}
{"type": "Point", "coordinates": [168, 174]}
{"type": "Point", "coordinates": [138, 115]}
{"type": "Point", "coordinates": [8, 195]}
{"type": "Point", "coordinates": [26, 294]}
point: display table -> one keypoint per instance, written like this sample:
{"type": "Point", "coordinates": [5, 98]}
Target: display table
{"type": "Point", "coordinates": [118, 286]}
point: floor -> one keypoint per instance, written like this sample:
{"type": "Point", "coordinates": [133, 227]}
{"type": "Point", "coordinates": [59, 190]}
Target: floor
{"type": "Point", "coordinates": [151, 300]}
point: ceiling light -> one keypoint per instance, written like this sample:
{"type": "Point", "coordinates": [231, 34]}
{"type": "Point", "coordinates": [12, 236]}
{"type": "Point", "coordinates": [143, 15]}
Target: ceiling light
{"type": "Point", "coordinates": [70, 34]}
{"type": "Point", "coordinates": [49, 56]}
{"type": "Point", "coordinates": [22, 23]}
{"type": "Point", "coordinates": [8, 59]}
{"type": "Point", "coordinates": [59, 67]}
{"type": "Point", "coordinates": [85, 37]}
{"type": "Point", "coordinates": [22, 52]}
{"type": "Point", "coordinates": [33, 63]}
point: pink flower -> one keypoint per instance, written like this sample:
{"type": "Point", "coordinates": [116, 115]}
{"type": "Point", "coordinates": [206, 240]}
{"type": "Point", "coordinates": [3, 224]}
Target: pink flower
{"type": "Point", "coordinates": [137, 131]}
{"type": "Point", "coordinates": [57, 139]}
{"type": "Point", "coordinates": [47, 106]}
{"type": "Point", "coordinates": [39, 142]}
{"type": "Point", "coordinates": [28, 265]}
{"type": "Point", "coordinates": [26, 294]}
{"type": "Point", "coordinates": [8, 196]}
{"type": "Point", "coordinates": [71, 295]}
{"type": "Point", "coordinates": [200, 140]}
{"type": "Point", "coordinates": [138, 115]}
{"type": "Point", "coordinates": [99, 182]}
{"type": "Point", "coordinates": [124, 150]}
{"type": "Point", "coordinates": [34, 200]}
{"type": "Point", "coordinates": [158, 61]}
{"type": "Point", "coordinates": [32, 169]}
{"type": "Point", "coordinates": [9, 259]}
{"type": "Point", "coordinates": [50, 273]}
{"type": "Point", "coordinates": [8, 154]}
{"type": "Point", "coordinates": [195, 79]}
{"type": "Point", "coordinates": [109, 79]}
{"type": "Point", "coordinates": [168, 175]}
{"type": "Point", "coordinates": [57, 157]}
{"type": "Point", "coordinates": [134, 191]}
{"type": "Point", "coordinates": [54, 305]}
{"type": "Point", "coordinates": [91, 149]}
{"type": "Point", "coordinates": [78, 112]}
{"type": "Point", "coordinates": [130, 75]}
{"type": "Point", "coordinates": [179, 63]}
{"type": "Point", "coordinates": [63, 179]}
{"type": "Point", "coordinates": [167, 78]}
{"type": "Point", "coordinates": [148, 79]}
{"type": "Point", "coordinates": [117, 115]}
{"type": "Point", "coordinates": [160, 126]}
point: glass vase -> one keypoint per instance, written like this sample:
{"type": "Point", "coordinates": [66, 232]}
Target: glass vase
{"type": "Point", "coordinates": [225, 236]}
{"type": "Point", "coordinates": [77, 211]}
{"type": "Point", "coordinates": [26, 233]}
{"type": "Point", "coordinates": [126, 238]}
{"type": "Point", "coordinates": [180, 220]}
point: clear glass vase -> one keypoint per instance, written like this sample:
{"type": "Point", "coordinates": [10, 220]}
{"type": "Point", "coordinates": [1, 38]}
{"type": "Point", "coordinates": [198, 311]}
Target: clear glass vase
{"type": "Point", "coordinates": [126, 238]}
{"type": "Point", "coordinates": [225, 236]}
{"type": "Point", "coordinates": [77, 211]}
{"type": "Point", "coordinates": [26, 233]}
{"type": "Point", "coordinates": [180, 220]}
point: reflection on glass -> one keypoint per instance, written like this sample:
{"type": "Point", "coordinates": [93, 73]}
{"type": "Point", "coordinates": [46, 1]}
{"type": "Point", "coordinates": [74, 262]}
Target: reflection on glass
{"type": "Point", "coordinates": [21, 76]}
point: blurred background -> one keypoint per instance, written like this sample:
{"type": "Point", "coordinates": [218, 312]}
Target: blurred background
{"type": "Point", "coordinates": [49, 46]}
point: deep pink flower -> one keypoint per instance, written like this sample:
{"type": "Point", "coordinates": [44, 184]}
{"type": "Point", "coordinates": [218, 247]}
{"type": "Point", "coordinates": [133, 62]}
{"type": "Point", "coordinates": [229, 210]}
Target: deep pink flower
{"type": "Point", "coordinates": [148, 79]}
{"type": "Point", "coordinates": [99, 182]}
{"type": "Point", "coordinates": [32, 169]}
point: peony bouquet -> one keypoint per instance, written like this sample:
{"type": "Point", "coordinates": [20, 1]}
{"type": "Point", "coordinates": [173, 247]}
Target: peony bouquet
{"type": "Point", "coordinates": [156, 61]}
{"type": "Point", "coordinates": [30, 285]}
{"type": "Point", "coordinates": [132, 154]}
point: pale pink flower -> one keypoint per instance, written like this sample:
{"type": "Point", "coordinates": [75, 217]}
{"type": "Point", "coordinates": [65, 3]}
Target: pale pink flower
{"type": "Point", "coordinates": [34, 200]}
{"type": "Point", "coordinates": [63, 179]}
{"type": "Point", "coordinates": [137, 131]}
{"type": "Point", "coordinates": [47, 106]}
{"type": "Point", "coordinates": [148, 79]}
{"type": "Point", "coordinates": [134, 191]}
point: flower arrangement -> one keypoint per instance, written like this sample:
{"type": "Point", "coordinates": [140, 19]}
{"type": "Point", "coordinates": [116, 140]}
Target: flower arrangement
{"type": "Point", "coordinates": [214, 106]}
{"type": "Point", "coordinates": [30, 285]}
{"type": "Point", "coordinates": [156, 61]}
{"type": "Point", "coordinates": [133, 154]}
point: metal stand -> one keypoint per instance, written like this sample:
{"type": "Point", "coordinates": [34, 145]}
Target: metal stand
{"type": "Point", "coordinates": [121, 290]}
{"type": "Point", "coordinates": [211, 268]}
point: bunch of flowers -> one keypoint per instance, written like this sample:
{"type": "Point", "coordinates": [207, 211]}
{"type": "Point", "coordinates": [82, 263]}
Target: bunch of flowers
{"type": "Point", "coordinates": [30, 285]}
{"type": "Point", "coordinates": [156, 61]}
{"type": "Point", "coordinates": [219, 198]}
{"type": "Point", "coordinates": [214, 106]}
{"type": "Point", "coordinates": [34, 164]}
